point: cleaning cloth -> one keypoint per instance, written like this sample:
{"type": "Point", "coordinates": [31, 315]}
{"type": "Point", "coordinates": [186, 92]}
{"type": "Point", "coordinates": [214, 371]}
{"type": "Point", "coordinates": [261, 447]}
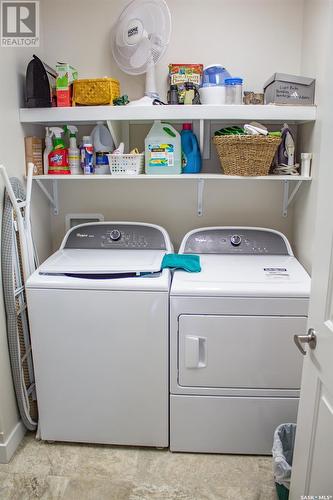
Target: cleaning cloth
{"type": "Point", "coordinates": [188, 262]}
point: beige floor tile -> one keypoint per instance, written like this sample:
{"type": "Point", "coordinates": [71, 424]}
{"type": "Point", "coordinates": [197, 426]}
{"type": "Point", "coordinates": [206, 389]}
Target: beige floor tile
{"type": "Point", "coordinates": [97, 489]}
{"type": "Point", "coordinates": [31, 487]}
{"type": "Point", "coordinates": [96, 472]}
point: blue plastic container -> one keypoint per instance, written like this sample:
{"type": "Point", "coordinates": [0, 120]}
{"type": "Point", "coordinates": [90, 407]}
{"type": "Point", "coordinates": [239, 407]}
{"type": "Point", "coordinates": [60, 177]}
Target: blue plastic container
{"type": "Point", "coordinates": [191, 157]}
{"type": "Point", "coordinates": [214, 75]}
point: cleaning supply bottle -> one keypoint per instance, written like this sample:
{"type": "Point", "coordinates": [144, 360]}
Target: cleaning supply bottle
{"type": "Point", "coordinates": [163, 150]}
{"type": "Point", "coordinates": [73, 151]}
{"type": "Point", "coordinates": [47, 150]}
{"type": "Point", "coordinates": [103, 145]}
{"type": "Point", "coordinates": [87, 156]}
{"type": "Point", "coordinates": [58, 157]}
{"type": "Point", "coordinates": [191, 157]}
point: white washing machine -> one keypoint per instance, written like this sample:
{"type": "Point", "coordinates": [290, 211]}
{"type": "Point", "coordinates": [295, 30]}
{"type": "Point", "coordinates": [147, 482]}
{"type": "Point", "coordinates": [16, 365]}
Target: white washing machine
{"type": "Point", "coordinates": [234, 369]}
{"type": "Point", "coordinates": [98, 311]}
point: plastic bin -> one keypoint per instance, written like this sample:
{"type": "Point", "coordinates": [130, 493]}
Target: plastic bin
{"type": "Point", "coordinates": [283, 450]}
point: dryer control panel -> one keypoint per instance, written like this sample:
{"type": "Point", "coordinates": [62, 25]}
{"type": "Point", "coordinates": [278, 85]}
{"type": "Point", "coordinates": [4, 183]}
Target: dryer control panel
{"type": "Point", "coordinates": [228, 240]}
{"type": "Point", "coordinates": [115, 236]}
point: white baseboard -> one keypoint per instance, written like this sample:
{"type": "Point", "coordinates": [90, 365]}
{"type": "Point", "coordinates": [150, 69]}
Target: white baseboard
{"type": "Point", "coordinates": [8, 448]}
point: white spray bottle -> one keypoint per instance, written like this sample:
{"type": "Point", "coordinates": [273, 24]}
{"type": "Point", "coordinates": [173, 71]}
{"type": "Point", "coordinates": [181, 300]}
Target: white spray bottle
{"type": "Point", "coordinates": [73, 151]}
{"type": "Point", "coordinates": [47, 150]}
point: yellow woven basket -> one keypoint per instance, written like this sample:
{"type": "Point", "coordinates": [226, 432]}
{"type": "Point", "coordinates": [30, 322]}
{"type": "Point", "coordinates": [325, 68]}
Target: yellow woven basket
{"type": "Point", "coordinates": [246, 155]}
{"type": "Point", "coordinates": [95, 92]}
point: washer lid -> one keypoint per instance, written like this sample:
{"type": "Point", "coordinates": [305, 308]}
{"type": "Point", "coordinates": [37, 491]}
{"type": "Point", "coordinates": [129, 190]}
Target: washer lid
{"type": "Point", "coordinates": [244, 276]}
{"type": "Point", "coordinates": [102, 261]}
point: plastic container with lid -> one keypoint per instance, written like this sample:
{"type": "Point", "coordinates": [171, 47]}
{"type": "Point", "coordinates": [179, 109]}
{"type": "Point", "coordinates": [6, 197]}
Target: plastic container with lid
{"type": "Point", "coordinates": [163, 150]}
{"type": "Point", "coordinates": [215, 74]}
{"type": "Point", "coordinates": [103, 145]}
{"type": "Point", "coordinates": [233, 91]}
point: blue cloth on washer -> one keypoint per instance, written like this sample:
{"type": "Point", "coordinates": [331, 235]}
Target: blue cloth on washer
{"type": "Point", "coordinates": [188, 262]}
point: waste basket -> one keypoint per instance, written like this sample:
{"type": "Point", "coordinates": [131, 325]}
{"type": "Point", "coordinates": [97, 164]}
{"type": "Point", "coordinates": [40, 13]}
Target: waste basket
{"type": "Point", "coordinates": [283, 450]}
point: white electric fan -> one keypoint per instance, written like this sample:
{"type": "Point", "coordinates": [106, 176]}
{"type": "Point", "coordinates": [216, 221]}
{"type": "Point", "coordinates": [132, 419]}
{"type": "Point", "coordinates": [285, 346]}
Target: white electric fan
{"type": "Point", "coordinates": [140, 38]}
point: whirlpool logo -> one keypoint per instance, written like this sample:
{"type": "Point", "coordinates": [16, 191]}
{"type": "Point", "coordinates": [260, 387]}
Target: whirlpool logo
{"type": "Point", "coordinates": [20, 23]}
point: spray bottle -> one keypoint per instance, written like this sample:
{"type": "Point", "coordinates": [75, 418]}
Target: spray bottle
{"type": "Point", "coordinates": [73, 151]}
{"type": "Point", "coordinates": [58, 157]}
{"type": "Point", "coordinates": [47, 150]}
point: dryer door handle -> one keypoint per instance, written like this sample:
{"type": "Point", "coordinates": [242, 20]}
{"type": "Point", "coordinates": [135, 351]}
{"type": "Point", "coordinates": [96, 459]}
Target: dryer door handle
{"type": "Point", "coordinates": [195, 351]}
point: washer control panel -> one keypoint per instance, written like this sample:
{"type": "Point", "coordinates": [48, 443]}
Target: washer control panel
{"type": "Point", "coordinates": [121, 236]}
{"type": "Point", "coordinates": [236, 241]}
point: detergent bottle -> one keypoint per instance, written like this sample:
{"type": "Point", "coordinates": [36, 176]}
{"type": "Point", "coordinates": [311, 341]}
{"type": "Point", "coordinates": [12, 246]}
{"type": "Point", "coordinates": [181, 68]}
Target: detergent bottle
{"type": "Point", "coordinates": [163, 150]}
{"type": "Point", "coordinates": [191, 157]}
{"type": "Point", "coordinates": [103, 145]}
{"type": "Point", "coordinates": [58, 157]}
{"type": "Point", "coordinates": [73, 151]}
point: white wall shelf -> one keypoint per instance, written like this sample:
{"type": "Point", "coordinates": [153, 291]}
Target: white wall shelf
{"type": "Point", "coordinates": [289, 193]}
{"type": "Point", "coordinates": [89, 114]}
{"type": "Point", "coordinates": [118, 119]}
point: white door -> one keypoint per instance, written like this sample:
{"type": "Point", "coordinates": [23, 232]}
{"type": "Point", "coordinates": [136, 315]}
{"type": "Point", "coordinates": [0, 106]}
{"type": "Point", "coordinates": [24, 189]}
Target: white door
{"type": "Point", "coordinates": [312, 475]}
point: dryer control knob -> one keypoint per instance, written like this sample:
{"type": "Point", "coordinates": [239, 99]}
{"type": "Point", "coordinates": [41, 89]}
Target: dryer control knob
{"type": "Point", "coordinates": [115, 235]}
{"type": "Point", "coordinates": [235, 240]}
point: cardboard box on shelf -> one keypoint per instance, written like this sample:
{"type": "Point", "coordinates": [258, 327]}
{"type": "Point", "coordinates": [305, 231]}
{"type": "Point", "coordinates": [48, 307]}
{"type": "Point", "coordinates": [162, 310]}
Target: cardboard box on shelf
{"type": "Point", "coordinates": [179, 74]}
{"type": "Point", "coordinates": [66, 75]}
{"type": "Point", "coordinates": [34, 153]}
{"type": "Point", "coordinates": [289, 89]}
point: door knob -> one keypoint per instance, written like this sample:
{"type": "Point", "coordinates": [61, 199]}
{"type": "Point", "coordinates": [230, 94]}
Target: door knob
{"type": "Point", "coordinates": [310, 338]}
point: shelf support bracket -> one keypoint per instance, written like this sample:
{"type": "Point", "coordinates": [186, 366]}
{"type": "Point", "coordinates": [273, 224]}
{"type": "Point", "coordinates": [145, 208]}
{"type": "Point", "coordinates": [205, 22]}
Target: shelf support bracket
{"type": "Point", "coordinates": [54, 197]}
{"type": "Point", "coordinates": [288, 198]}
{"type": "Point", "coordinates": [201, 186]}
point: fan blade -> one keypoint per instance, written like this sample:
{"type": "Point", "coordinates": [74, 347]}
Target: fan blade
{"type": "Point", "coordinates": [142, 54]}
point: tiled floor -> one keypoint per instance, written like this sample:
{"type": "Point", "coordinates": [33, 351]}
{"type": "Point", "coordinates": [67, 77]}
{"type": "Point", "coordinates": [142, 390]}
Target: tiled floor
{"type": "Point", "coordinates": [46, 471]}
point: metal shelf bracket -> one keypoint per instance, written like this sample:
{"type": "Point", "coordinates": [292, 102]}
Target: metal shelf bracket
{"type": "Point", "coordinates": [201, 186]}
{"type": "Point", "coordinates": [54, 197]}
{"type": "Point", "coordinates": [288, 197]}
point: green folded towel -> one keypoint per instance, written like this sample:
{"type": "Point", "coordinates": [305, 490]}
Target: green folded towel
{"type": "Point", "coordinates": [188, 262]}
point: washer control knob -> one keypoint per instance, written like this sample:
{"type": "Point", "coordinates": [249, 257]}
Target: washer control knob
{"type": "Point", "coordinates": [235, 240]}
{"type": "Point", "coordinates": [115, 235]}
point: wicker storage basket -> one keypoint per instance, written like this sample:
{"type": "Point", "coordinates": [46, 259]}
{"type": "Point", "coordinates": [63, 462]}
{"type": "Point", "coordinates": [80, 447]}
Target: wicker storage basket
{"type": "Point", "coordinates": [95, 92]}
{"type": "Point", "coordinates": [246, 155]}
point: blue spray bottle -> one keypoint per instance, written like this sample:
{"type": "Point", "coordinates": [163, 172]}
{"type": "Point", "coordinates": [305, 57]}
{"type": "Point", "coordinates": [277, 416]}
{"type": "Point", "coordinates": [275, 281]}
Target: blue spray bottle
{"type": "Point", "coordinates": [191, 157]}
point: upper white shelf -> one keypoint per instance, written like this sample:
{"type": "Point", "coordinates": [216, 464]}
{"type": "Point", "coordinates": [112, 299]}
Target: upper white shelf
{"type": "Point", "coordinates": [182, 177]}
{"type": "Point", "coordinates": [225, 113]}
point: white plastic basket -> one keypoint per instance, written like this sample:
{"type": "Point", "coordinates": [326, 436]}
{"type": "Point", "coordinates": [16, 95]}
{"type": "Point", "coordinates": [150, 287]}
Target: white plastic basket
{"type": "Point", "coordinates": [130, 164]}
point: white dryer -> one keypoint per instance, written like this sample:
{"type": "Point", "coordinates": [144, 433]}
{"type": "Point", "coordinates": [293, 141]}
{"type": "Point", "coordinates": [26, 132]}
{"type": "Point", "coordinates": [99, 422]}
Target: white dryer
{"type": "Point", "coordinates": [98, 311]}
{"type": "Point", "coordinates": [234, 370]}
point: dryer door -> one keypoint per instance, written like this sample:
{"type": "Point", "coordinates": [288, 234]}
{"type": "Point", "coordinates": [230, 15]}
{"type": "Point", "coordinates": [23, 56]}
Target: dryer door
{"type": "Point", "coordinates": [239, 351]}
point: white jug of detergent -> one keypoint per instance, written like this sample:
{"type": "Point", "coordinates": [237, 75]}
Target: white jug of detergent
{"type": "Point", "coordinates": [103, 145]}
{"type": "Point", "coordinates": [163, 150]}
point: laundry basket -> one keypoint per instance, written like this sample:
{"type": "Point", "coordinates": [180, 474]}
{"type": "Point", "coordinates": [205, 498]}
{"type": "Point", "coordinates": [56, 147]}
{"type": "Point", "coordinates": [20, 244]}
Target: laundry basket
{"type": "Point", "coordinates": [95, 91]}
{"type": "Point", "coordinates": [246, 155]}
{"type": "Point", "coordinates": [130, 164]}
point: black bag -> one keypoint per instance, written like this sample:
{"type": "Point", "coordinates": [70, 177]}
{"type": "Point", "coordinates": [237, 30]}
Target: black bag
{"type": "Point", "coordinates": [40, 84]}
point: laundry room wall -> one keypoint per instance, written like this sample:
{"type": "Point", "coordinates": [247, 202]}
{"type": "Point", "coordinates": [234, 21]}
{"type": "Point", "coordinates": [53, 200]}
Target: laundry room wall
{"type": "Point", "coordinates": [13, 63]}
{"type": "Point", "coordinates": [316, 50]}
{"type": "Point", "coordinates": [252, 39]}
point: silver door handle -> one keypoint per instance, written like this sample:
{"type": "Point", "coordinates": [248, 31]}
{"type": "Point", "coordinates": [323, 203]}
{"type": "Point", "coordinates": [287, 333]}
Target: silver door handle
{"type": "Point", "coordinates": [310, 338]}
